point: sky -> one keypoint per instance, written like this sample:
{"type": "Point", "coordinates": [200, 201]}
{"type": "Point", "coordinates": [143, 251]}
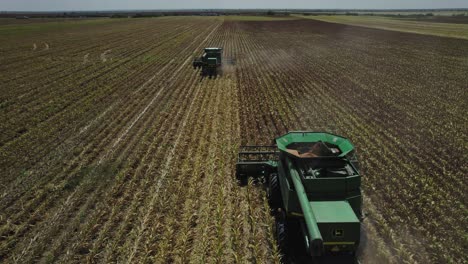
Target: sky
{"type": "Point", "coordinates": [85, 5]}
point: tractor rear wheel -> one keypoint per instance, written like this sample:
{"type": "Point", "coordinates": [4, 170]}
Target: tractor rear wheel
{"type": "Point", "coordinates": [274, 192]}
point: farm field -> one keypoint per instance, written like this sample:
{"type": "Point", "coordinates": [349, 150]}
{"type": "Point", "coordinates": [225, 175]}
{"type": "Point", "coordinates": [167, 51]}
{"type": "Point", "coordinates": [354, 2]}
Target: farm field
{"type": "Point", "coordinates": [114, 149]}
{"type": "Point", "coordinates": [454, 28]}
{"type": "Point", "coordinates": [435, 13]}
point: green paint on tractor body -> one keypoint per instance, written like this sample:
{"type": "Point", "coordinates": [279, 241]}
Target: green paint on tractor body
{"type": "Point", "coordinates": [314, 190]}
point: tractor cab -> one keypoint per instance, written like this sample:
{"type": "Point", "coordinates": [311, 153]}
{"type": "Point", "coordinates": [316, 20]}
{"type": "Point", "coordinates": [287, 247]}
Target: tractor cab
{"type": "Point", "coordinates": [212, 56]}
{"type": "Point", "coordinates": [214, 52]}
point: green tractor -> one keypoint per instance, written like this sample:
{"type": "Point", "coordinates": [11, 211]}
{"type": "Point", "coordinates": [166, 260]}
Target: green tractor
{"type": "Point", "coordinates": [314, 191]}
{"type": "Point", "coordinates": [210, 62]}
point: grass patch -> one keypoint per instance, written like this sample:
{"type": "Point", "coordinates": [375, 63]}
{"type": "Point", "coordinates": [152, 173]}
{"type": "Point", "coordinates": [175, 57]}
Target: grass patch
{"type": "Point", "coordinates": [5, 104]}
{"type": "Point", "coordinates": [91, 176]}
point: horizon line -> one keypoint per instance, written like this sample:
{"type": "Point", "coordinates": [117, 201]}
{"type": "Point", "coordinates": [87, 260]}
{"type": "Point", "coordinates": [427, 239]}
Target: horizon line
{"type": "Point", "coordinates": [243, 9]}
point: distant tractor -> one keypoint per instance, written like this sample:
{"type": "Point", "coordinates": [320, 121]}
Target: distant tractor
{"type": "Point", "coordinates": [210, 62]}
{"type": "Point", "coordinates": [314, 191]}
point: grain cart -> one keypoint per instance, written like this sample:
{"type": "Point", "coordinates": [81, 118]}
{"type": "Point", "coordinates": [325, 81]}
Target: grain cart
{"type": "Point", "coordinates": [313, 187]}
{"type": "Point", "coordinates": [210, 62]}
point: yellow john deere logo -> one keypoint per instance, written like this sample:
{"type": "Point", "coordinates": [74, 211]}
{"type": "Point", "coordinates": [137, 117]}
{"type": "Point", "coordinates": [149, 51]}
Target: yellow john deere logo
{"type": "Point", "coordinates": [338, 233]}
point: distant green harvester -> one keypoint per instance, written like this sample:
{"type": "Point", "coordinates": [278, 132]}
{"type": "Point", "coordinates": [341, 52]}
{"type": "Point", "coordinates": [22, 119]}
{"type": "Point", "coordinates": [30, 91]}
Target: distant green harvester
{"type": "Point", "coordinates": [313, 187]}
{"type": "Point", "coordinates": [210, 62]}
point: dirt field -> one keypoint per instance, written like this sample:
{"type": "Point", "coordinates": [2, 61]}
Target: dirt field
{"type": "Point", "coordinates": [454, 27]}
{"type": "Point", "coordinates": [114, 149]}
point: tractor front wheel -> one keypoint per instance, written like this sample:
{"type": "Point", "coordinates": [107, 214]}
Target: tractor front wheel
{"type": "Point", "coordinates": [242, 179]}
{"type": "Point", "coordinates": [274, 192]}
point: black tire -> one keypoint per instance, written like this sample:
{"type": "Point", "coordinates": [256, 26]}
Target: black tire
{"type": "Point", "coordinates": [274, 192]}
{"type": "Point", "coordinates": [242, 180]}
{"type": "Point", "coordinates": [281, 234]}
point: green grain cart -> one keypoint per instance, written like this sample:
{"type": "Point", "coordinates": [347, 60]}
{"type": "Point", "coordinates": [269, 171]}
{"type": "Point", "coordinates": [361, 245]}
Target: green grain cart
{"type": "Point", "coordinates": [313, 188]}
{"type": "Point", "coordinates": [210, 62]}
